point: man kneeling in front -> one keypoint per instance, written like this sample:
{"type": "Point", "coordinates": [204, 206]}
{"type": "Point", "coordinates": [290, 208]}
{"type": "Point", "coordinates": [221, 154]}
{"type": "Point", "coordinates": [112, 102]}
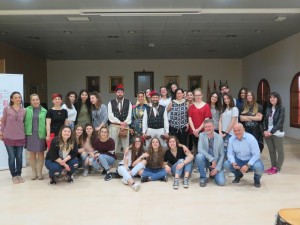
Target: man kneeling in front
{"type": "Point", "coordinates": [243, 154]}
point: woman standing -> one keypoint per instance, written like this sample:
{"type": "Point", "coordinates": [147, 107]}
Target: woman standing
{"type": "Point", "coordinates": [179, 117]}
{"type": "Point", "coordinates": [173, 89]}
{"type": "Point", "coordinates": [13, 136]}
{"type": "Point", "coordinates": [251, 117]}
{"type": "Point", "coordinates": [148, 97]}
{"type": "Point", "coordinates": [62, 155]}
{"type": "Point", "coordinates": [99, 111]}
{"type": "Point", "coordinates": [164, 100]}
{"type": "Point", "coordinates": [83, 107]}
{"type": "Point", "coordinates": [273, 132]}
{"type": "Point", "coordinates": [198, 112]}
{"type": "Point", "coordinates": [133, 163]}
{"type": "Point", "coordinates": [138, 113]}
{"type": "Point", "coordinates": [179, 161]}
{"type": "Point", "coordinates": [189, 98]}
{"type": "Point", "coordinates": [35, 131]}
{"type": "Point", "coordinates": [155, 168]}
{"type": "Point", "coordinates": [215, 108]}
{"type": "Point", "coordinates": [241, 98]}
{"type": "Point", "coordinates": [69, 106]}
{"type": "Point", "coordinates": [106, 156]}
{"type": "Point", "coordinates": [229, 117]}
{"type": "Point", "coordinates": [55, 118]}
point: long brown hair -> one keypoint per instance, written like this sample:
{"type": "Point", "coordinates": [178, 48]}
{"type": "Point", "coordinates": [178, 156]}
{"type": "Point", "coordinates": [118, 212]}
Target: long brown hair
{"type": "Point", "coordinates": [85, 135]}
{"type": "Point", "coordinates": [69, 145]}
{"type": "Point", "coordinates": [136, 152]}
{"type": "Point", "coordinates": [99, 100]}
{"type": "Point", "coordinates": [248, 104]}
{"type": "Point", "coordinates": [79, 142]}
{"type": "Point", "coordinates": [150, 162]}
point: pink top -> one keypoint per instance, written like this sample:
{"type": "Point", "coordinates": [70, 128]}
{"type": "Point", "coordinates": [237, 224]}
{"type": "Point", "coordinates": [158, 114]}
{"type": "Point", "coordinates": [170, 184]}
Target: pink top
{"type": "Point", "coordinates": [199, 115]}
{"type": "Point", "coordinates": [12, 126]}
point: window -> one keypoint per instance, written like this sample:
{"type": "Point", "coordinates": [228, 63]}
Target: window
{"type": "Point", "coordinates": [263, 91]}
{"type": "Point", "coordinates": [295, 101]}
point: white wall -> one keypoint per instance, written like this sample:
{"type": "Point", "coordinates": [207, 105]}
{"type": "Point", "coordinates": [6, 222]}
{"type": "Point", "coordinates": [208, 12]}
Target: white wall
{"type": "Point", "coordinates": [278, 64]}
{"type": "Point", "coordinates": [64, 76]}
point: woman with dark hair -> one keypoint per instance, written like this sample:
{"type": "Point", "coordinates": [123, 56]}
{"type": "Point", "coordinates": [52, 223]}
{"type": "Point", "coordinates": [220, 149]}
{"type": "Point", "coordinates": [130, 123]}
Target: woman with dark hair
{"type": "Point", "coordinates": [155, 168]}
{"type": "Point", "coordinates": [35, 131]}
{"type": "Point", "coordinates": [62, 155]}
{"type": "Point", "coordinates": [173, 89]}
{"type": "Point", "coordinates": [55, 118]}
{"type": "Point", "coordinates": [189, 98]}
{"type": "Point", "coordinates": [179, 161]}
{"type": "Point", "coordinates": [87, 153]}
{"type": "Point", "coordinates": [77, 134]}
{"type": "Point", "coordinates": [99, 111]}
{"type": "Point", "coordinates": [83, 107]}
{"type": "Point", "coordinates": [178, 110]}
{"type": "Point", "coordinates": [133, 163]}
{"type": "Point", "coordinates": [69, 106]}
{"type": "Point", "coordinates": [229, 117]}
{"type": "Point", "coordinates": [273, 132]}
{"type": "Point", "coordinates": [106, 154]}
{"type": "Point", "coordinates": [215, 108]}
{"type": "Point", "coordinates": [138, 113]}
{"type": "Point", "coordinates": [242, 97]}
{"type": "Point", "coordinates": [198, 112]}
{"type": "Point", "coordinates": [251, 117]}
{"type": "Point", "coordinates": [13, 136]}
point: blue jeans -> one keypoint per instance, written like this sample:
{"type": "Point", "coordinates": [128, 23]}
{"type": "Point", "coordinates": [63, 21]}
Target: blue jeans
{"type": "Point", "coordinates": [183, 170]}
{"type": "Point", "coordinates": [55, 167]}
{"type": "Point", "coordinates": [226, 140]}
{"type": "Point", "coordinates": [106, 162]}
{"type": "Point", "coordinates": [257, 167]}
{"type": "Point", "coordinates": [202, 163]}
{"type": "Point", "coordinates": [15, 154]}
{"type": "Point", "coordinates": [154, 174]}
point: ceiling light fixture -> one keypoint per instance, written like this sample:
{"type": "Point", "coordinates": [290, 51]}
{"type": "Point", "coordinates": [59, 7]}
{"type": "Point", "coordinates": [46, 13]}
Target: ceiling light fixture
{"type": "Point", "coordinates": [67, 32]}
{"type": "Point", "coordinates": [151, 44]}
{"type": "Point", "coordinates": [3, 33]}
{"type": "Point", "coordinates": [257, 31]}
{"type": "Point", "coordinates": [78, 19]}
{"type": "Point", "coordinates": [195, 31]}
{"type": "Point", "coordinates": [131, 31]}
{"type": "Point", "coordinates": [280, 18]}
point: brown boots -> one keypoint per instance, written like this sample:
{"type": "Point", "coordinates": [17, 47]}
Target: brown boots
{"type": "Point", "coordinates": [37, 169]}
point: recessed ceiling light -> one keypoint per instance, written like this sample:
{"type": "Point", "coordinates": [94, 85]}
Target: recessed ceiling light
{"type": "Point", "coordinates": [29, 46]}
{"type": "Point", "coordinates": [78, 18]}
{"type": "Point", "coordinates": [257, 31]}
{"type": "Point", "coordinates": [131, 31]}
{"type": "Point", "coordinates": [185, 45]}
{"type": "Point", "coordinates": [280, 18]}
{"type": "Point", "coordinates": [151, 44]}
{"type": "Point", "coordinates": [231, 36]}
{"type": "Point", "coordinates": [3, 33]}
{"type": "Point", "coordinates": [112, 36]}
{"type": "Point", "coordinates": [34, 37]}
{"type": "Point", "coordinates": [195, 31]}
{"type": "Point", "coordinates": [67, 32]}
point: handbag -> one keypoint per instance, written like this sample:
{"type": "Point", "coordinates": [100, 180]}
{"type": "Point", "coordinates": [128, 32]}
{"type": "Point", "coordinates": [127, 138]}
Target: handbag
{"type": "Point", "coordinates": [123, 133]}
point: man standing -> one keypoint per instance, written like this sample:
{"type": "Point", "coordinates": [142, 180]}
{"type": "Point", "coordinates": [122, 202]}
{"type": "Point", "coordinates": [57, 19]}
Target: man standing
{"type": "Point", "coordinates": [243, 154]}
{"type": "Point", "coordinates": [210, 155]}
{"type": "Point", "coordinates": [224, 89]}
{"type": "Point", "coordinates": [119, 115]}
{"type": "Point", "coordinates": [155, 121]}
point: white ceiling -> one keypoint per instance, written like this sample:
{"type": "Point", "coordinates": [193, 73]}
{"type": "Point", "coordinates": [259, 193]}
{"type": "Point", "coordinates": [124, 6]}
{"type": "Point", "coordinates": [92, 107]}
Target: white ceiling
{"type": "Point", "coordinates": [222, 29]}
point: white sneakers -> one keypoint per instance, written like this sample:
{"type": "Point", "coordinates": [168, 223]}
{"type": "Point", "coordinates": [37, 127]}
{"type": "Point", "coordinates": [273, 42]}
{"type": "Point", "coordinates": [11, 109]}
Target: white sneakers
{"type": "Point", "coordinates": [136, 186]}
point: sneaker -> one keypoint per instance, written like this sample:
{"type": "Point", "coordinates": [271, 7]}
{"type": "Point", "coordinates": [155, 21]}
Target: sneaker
{"type": "Point", "coordinates": [145, 179]}
{"type": "Point", "coordinates": [69, 178]}
{"type": "Point", "coordinates": [176, 184]}
{"type": "Point", "coordinates": [272, 171]}
{"type": "Point", "coordinates": [237, 179]}
{"type": "Point", "coordinates": [108, 177]}
{"type": "Point", "coordinates": [124, 181]}
{"type": "Point", "coordinates": [85, 172]}
{"type": "Point", "coordinates": [186, 182]}
{"type": "Point", "coordinates": [165, 178]}
{"type": "Point", "coordinates": [103, 172]}
{"type": "Point", "coordinates": [269, 170]}
{"type": "Point", "coordinates": [257, 184]}
{"type": "Point", "coordinates": [136, 186]}
{"type": "Point", "coordinates": [52, 180]}
{"type": "Point", "coordinates": [202, 182]}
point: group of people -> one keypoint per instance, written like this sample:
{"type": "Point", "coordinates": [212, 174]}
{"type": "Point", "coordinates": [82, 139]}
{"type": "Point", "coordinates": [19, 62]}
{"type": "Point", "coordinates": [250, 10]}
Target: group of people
{"type": "Point", "coordinates": [162, 133]}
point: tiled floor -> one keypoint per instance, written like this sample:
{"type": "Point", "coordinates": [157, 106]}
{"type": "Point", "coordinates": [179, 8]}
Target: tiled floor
{"type": "Point", "coordinates": [90, 200]}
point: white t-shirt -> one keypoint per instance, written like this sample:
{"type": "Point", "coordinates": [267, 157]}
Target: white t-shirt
{"type": "Point", "coordinates": [226, 116]}
{"type": "Point", "coordinates": [165, 102]}
{"type": "Point", "coordinates": [72, 113]}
